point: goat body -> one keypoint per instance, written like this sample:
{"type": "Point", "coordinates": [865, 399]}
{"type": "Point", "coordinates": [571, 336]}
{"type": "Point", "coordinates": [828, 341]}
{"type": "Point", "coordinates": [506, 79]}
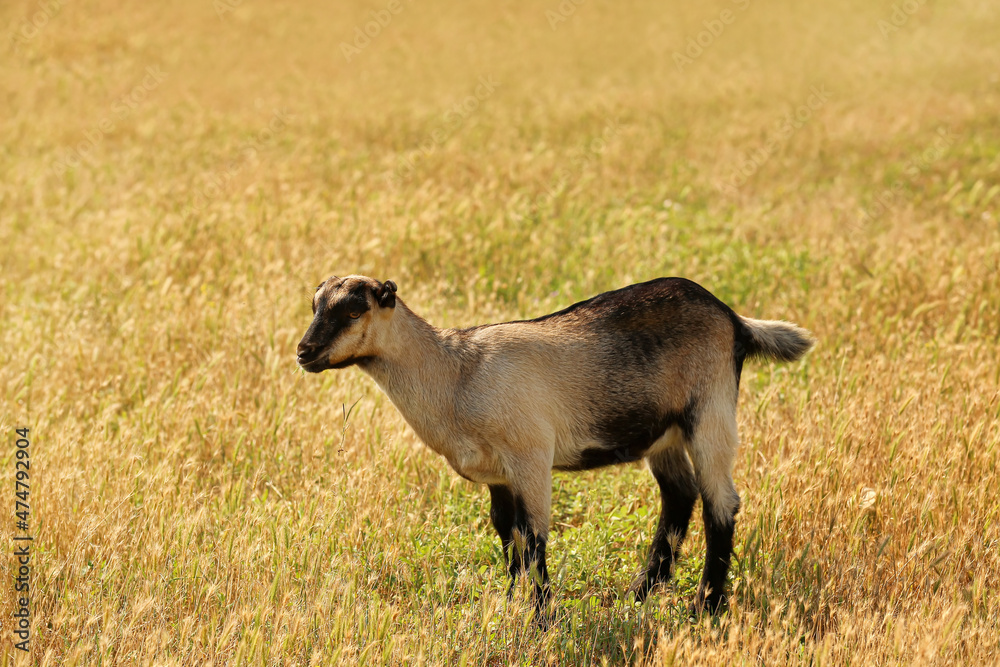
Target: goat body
{"type": "Point", "coordinates": [650, 371]}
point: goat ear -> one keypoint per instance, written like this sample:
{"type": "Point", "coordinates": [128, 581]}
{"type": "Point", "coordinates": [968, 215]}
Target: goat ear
{"type": "Point", "coordinates": [386, 295]}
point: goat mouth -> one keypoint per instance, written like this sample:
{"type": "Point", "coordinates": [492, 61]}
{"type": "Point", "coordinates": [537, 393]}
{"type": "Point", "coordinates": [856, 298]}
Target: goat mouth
{"type": "Point", "coordinates": [315, 365]}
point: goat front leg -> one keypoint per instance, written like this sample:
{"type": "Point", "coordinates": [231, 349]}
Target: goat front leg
{"type": "Point", "coordinates": [504, 514]}
{"type": "Point", "coordinates": [531, 491]}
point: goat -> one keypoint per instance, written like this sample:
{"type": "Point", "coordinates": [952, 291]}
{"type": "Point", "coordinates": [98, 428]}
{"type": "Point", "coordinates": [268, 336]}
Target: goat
{"type": "Point", "coordinates": [650, 371]}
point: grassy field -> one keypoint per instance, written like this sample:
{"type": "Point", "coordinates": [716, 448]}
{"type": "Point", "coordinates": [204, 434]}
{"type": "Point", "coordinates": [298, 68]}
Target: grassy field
{"type": "Point", "coordinates": [177, 177]}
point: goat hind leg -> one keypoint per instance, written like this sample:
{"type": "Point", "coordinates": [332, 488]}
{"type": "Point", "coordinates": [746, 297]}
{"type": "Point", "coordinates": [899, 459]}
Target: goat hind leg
{"type": "Point", "coordinates": [720, 526]}
{"type": "Point", "coordinates": [713, 452]}
{"type": "Point", "coordinates": [678, 492]}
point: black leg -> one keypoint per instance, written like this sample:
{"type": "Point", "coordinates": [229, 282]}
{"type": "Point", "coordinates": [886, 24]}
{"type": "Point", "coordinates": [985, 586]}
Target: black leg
{"type": "Point", "coordinates": [719, 540]}
{"type": "Point", "coordinates": [712, 452]}
{"type": "Point", "coordinates": [503, 512]}
{"type": "Point", "coordinates": [509, 515]}
{"type": "Point", "coordinates": [678, 493]}
{"type": "Point", "coordinates": [534, 557]}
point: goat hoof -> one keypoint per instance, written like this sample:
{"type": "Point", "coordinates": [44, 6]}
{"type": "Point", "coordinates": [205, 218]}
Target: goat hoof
{"type": "Point", "coordinates": [646, 583]}
{"type": "Point", "coordinates": [712, 604]}
{"type": "Point", "coordinates": [640, 588]}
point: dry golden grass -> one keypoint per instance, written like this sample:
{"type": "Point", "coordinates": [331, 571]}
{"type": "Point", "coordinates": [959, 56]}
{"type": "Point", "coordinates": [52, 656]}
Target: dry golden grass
{"type": "Point", "coordinates": [198, 500]}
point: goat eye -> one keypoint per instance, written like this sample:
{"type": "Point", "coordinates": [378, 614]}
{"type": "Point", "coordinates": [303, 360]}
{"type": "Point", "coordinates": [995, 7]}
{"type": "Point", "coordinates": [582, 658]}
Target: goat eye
{"type": "Point", "coordinates": [355, 316]}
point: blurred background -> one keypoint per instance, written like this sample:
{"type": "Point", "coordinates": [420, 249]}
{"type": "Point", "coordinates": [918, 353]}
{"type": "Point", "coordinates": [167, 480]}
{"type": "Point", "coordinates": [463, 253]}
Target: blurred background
{"type": "Point", "coordinates": [177, 177]}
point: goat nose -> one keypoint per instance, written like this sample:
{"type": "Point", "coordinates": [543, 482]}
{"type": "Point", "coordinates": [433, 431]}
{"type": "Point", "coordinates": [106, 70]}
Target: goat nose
{"type": "Point", "coordinates": [305, 348]}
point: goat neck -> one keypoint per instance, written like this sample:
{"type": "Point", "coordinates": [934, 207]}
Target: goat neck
{"type": "Point", "coordinates": [418, 370]}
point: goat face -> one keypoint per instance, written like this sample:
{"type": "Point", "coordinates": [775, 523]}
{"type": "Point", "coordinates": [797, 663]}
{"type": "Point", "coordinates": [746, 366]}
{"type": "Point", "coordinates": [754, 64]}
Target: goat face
{"type": "Point", "coordinates": [347, 316]}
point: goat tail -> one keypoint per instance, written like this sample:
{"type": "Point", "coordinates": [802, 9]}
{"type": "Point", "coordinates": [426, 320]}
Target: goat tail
{"type": "Point", "coordinates": [774, 339]}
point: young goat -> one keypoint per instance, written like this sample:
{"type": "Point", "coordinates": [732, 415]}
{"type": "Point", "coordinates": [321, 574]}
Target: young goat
{"type": "Point", "coordinates": [649, 371]}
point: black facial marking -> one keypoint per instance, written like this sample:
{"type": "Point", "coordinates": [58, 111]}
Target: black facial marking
{"type": "Point", "coordinates": [341, 305]}
{"type": "Point", "coordinates": [334, 309]}
{"type": "Point", "coordinates": [318, 288]}
{"type": "Point", "coordinates": [361, 361]}
{"type": "Point", "coordinates": [322, 332]}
